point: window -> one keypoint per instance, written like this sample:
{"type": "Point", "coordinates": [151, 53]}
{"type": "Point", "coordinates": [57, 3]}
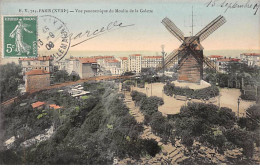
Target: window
{"type": "Point", "coordinates": [29, 63]}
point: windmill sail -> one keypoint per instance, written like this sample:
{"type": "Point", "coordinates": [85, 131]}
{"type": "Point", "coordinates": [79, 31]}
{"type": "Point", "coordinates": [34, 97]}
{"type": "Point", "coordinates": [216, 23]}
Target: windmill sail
{"type": "Point", "coordinates": [173, 29]}
{"type": "Point", "coordinates": [210, 28]}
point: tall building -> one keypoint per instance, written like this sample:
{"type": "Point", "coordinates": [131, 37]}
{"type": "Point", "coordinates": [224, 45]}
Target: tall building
{"type": "Point", "coordinates": [135, 63]}
{"type": "Point", "coordinates": [124, 64]}
{"type": "Point", "coordinates": [151, 61]}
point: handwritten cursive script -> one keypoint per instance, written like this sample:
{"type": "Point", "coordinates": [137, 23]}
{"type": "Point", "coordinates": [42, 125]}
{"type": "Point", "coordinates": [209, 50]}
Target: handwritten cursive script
{"type": "Point", "coordinates": [235, 4]}
{"type": "Point", "coordinates": [87, 35]}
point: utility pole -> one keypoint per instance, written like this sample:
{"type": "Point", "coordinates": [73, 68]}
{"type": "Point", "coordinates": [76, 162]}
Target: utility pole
{"type": "Point", "coordinates": [192, 21]}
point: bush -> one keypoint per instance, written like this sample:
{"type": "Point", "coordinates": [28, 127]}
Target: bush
{"type": "Point", "coordinates": [74, 76]}
{"type": "Point", "coordinates": [248, 95]}
{"type": "Point", "coordinates": [205, 93]}
{"type": "Point", "coordinates": [151, 146]}
{"type": "Point", "coordinates": [138, 96]}
{"type": "Point", "coordinates": [150, 105]}
{"type": "Point", "coordinates": [60, 76]}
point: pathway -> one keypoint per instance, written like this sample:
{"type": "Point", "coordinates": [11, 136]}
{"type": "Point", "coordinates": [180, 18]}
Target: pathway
{"type": "Point", "coordinates": [169, 154]}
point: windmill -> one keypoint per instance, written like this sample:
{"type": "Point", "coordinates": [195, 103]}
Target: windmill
{"type": "Point", "coordinates": [189, 55]}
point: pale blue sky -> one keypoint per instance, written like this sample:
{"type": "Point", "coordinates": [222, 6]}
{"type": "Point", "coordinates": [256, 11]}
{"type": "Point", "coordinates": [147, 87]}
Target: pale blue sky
{"type": "Point", "coordinates": [242, 30]}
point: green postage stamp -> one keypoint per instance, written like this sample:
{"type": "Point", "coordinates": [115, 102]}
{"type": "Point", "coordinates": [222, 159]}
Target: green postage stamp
{"type": "Point", "coordinates": [19, 36]}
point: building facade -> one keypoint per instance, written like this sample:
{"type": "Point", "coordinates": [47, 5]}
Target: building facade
{"type": "Point", "coordinates": [251, 59]}
{"type": "Point", "coordinates": [36, 79]}
{"type": "Point", "coordinates": [88, 67]}
{"type": "Point", "coordinates": [135, 63]}
{"type": "Point", "coordinates": [151, 61]}
{"type": "Point", "coordinates": [41, 63]}
{"type": "Point", "coordinates": [124, 64]}
{"type": "Point", "coordinates": [222, 64]}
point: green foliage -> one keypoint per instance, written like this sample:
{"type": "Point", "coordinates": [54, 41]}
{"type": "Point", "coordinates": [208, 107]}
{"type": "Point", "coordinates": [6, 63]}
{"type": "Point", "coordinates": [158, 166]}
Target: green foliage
{"type": "Point", "coordinates": [251, 123]}
{"type": "Point", "coordinates": [41, 115]}
{"type": "Point", "coordinates": [242, 139]}
{"type": "Point", "coordinates": [60, 76]}
{"type": "Point", "coordinates": [138, 96]}
{"type": "Point", "coordinates": [74, 76]}
{"type": "Point", "coordinates": [10, 78]}
{"type": "Point", "coordinates": [84, 97]}
{"type": "Point", "coordinates": [248, 95]}
{"type": "Point", "coordinates": [151, 146]}
{"type": "Point", "coordinates": [205, 93]}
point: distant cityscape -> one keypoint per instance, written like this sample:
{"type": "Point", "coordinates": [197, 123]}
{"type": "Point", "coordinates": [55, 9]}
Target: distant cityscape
{"type": "Point", "coordinates": [38, 70]}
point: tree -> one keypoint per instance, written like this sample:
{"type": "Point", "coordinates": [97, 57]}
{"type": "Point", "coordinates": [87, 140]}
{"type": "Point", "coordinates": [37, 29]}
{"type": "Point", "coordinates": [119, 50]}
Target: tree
{"type": "Point", "coordinates": [74, 76]}
{"type": "Point", "coordinates": [10, 78]}
{"type": "Point", "coordinates": [60, 76]}
{"type": "Point", "coordinates": [150, 105]}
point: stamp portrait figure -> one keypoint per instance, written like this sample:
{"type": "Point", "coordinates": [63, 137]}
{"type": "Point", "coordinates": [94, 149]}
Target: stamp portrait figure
{"type": "Point", "coordinates": [17, 33]}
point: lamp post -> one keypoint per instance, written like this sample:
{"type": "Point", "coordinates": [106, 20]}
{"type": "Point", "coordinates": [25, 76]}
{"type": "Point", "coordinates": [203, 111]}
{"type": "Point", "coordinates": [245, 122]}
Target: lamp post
{"type": "Point", "coordinates": [162, 46]}
{"type": "Point", "coordinates": [238, 102]}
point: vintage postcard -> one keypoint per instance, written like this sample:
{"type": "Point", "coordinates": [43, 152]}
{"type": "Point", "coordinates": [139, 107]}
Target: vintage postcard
{"type": "Point", "coordinates": [130, 82]}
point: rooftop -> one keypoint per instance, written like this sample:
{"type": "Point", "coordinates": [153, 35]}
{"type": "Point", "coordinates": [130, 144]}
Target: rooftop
{"type": "Point", "coordinates": [135, 55]}
{"type": "Point", "coordinates": [103, 57]}
{"type": "Point", "coordinates": [112, 61]}
{"type": "Point", "coordinates": [251, 54]}
{"type": "Point", "coordinates": [37, 104]}
{"type": "Point", "coordinates": [215, 56]}
{"type": "Point", "coordinates": [123, 58]}
{"type": "Point", "coordinates": [37, 72]}
{"type": "Point", "coordinates": [153, 57]}
{"type": "Point", "coordinates": [42, 58]}
{"type": "Point", "coordinates": [228, 60]}
{"type": "Point", "coordinates": [54, 106]}
{"type": "Point", "coordinates": [87, 60]}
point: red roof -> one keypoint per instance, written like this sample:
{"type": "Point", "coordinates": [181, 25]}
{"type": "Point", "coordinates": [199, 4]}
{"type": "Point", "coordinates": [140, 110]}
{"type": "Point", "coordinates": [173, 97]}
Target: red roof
{"type": "Point", "coordinates": [37, 72]}
{"type": "Point", "coordinates": [153, 57]}
{"type": "Point", "coordinates": [87, 60]}
{"type": "Point", "coordinates": [135, 55]}
{"type": "Point", "coordinates": [26, 59]}
{"type": "Point", "coordinates": [228, 60]}
{"type": "Point", "coordinates": [103, 57]}
{"type": "Point", "coordinates": [37, 104]}
{"type": "Point", "coordinates": [98, 57]}
{"type": "Point", "coordinates": [43, 58]}
{"type": "Point", "coordinates": [123, 58]}
{"type": "Point", "coordinates": [112, 61]}
{"type": "Point", "coordinates": [106, 57]}
{"type": "Point", "coordinates": [54, 106]}
{"type": "Point", "coordinates": [251, 54]}
{"type": "Point", "coordinates": [215, 56]}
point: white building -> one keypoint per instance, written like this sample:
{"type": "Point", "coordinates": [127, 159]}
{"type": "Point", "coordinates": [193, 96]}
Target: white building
{"type": "Point", "coordinates": [151, 61]}
{"type": "Point", "coordinates": [124, 64]}
{"type": "Point", "coordinates": [251, 59]}
{"type": "Point", "coordinates": [135, 63]}
{"type": "Point", "coordinates": [113, 65]}
{"type": "Point", "coordinates": [221, 64]}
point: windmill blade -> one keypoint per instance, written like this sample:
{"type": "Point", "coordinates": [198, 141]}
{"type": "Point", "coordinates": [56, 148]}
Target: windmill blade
{"type": "Point", "coordinates": [173, 29]}
{"type": "Point", "coordinates": [171, 58]}
{"type": "Point", "coordinates": [209, 63]}
{"type": "Point", "coordinates": [210, 28]}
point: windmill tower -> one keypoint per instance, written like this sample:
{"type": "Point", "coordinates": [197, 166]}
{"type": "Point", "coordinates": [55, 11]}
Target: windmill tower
{"type": "Point", "coordinates": [189, 55]}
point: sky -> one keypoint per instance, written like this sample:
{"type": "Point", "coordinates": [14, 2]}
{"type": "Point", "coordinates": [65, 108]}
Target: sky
{"type": "Point", "coordinates": [241, 31]}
